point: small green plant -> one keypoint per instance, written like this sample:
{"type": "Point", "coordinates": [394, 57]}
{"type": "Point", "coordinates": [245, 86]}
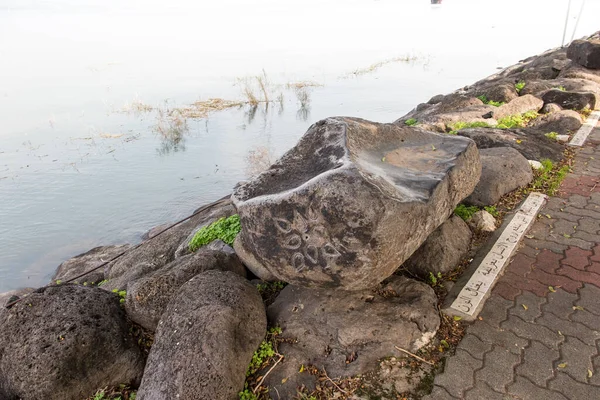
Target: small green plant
{"type": "Point", "coordinates": [549, 177]}
{"type": "Point", "coordinates": [465, 212]}
{"type": "Point", "coordinates": [485, 100]}
{"type": "Point", "coordinates": [492, 210]}
{"type": "Point", "coordinates": [457, 126]}
{"type": "Point", "coordinates": [585, 113]}
{"type": "Point", "coordinates": [519, 86]}
{"type": "Point", "coordinates": [225, 229]}
{"type": "Point", "coordinates": [102, 282]}
{"type": "Point", "coordinates": [411, 122]}
{"type": "Point", "coordinates": [247, 395]}
{"type": "Point", "coordinates": [122, 295]}
{"type": "Point", "coordinates": [434, 279]}
{"type": "Point", "coordinates": [264, 352]}
{"type": "Point", "coordinates": [99, 395]}
{"type": "Point", "coordinates": [561, 88]}
{"type": "Point", "coordinates": [552, 135]}
{"type": "Point", "coordinates": [517, 120]}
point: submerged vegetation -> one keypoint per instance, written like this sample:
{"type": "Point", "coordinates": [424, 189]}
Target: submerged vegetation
{"type": "Point", "coordinates": [225, 229]}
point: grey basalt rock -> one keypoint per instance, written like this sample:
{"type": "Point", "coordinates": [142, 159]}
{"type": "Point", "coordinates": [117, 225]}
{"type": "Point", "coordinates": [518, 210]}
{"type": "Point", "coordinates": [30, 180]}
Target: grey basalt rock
{"type": "Point", "coordinates": [66, 342]}
{"type": "Point", "coordinates": [148, 297]}
{"type": "Point", "coordinates": [87, 261]}
{"type": "Point", "coordinates": [503, 170]}
{"type": "Point", "coordinates": [517, 106]}
{"type": "Point", "coordinates": [160, 251]}
{"type": "Point", "coordinates": [351, 202]}
{"type": "Point", "coordinates": [562, 122]}
{"type": "Point", "coordinates": [347, 333]}
{"type": "Point", "coordinates": [530, 142]}
{"type": "Point", "coordinates": [443, 250]}
{"type": "Point", "coordinates": [205, 340]}
{"type": "Point", "coordinates": [571, 100]}
{"type": "Point", "coordinates": [585, 53]}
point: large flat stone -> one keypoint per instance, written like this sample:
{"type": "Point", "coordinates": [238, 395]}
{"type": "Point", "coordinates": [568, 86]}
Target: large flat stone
{"type": "Point", "coordinates": [347, 333]}
{"type": "Point", "coordinates": [351, 202]}
{"type": "Point", "coordinates": [585, 53]}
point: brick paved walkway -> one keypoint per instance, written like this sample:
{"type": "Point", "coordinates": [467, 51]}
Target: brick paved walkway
{"type": "Point", "coordinates": [539, 333]}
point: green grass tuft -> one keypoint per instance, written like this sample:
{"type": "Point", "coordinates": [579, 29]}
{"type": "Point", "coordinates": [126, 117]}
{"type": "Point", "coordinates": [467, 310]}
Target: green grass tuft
{"type": "Point", "coordinates": [492, 210]}
{"type": "Point", "coordinates": [519, 86]}
{"type": "Point", "coordinates": [517, 121]}
{"type": "Point", "coordinates": [549, 177]}
{"type": "Point", "coordinates": [225, 229]}
{"type": "Point", "coordinates": [552, 135]}
{"type": "Point", "coordinates": [465, 212]}
{"type": "Point", "coordinates": [485, 100]}
{"type": "Point", "coordinates": [454, 128]}
{"type": "Point", "coordinates": [411, 122]}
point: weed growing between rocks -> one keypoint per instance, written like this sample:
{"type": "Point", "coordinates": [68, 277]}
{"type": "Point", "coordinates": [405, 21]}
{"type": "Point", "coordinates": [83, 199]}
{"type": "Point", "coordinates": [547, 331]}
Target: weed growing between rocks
{"type": "Point", "coordinates": [454, 128]}
{"type": "Point", "coordinates": [121, 392]}
{"type": "Point", "coordinates": [270, 290]}
{"type": "Point", "coordinates": [552, 135]}
{"type": "Point", "coordinates": [485, 100]}
{"type": "Point", "coordinates": [465, 212]}
{"type": "Point", "coordinates": [225, 229]}
{"type": "Point", "coordinates": [411, 122]}
{"type": "Point", "coordinates": [585, 113]}
{"type": "Point", "coordinates": [517, 121]}
{"type": "Point", "coordinates": [519, 86]}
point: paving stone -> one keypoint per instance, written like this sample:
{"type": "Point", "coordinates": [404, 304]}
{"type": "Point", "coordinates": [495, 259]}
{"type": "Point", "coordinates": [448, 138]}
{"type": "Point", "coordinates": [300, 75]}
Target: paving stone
{"type": "Point", "coordinates": [529, 251]}
{"type": "Point", "coordinates": [537, 365]}
{"type": "Point", "coordinates": [561, 215]}
{"type": "Point", "coordinates": [585, 213]}
{"type": "Point", "coordinates": [577, 258]}
{"type": "Point", "coordinates": [589, 298]}
{"type": "Point", "coordinates": [595, 379]}
{"type": "Point", "coordinates": [439, 393]}
{"type": "Point", "coordinates": [586, 318]}
{"type": "Point", "coordinates": [525, 390]}
{"type": "Point", "coordinates": [528, 306]}
{"type": "Point", "coordinates": [568, 328]}
{"type": "Point", "coordinates": [483, 391]}
{"type": "Point", "coordinates": [458, 373]}
{"type": "Point", "coordinates": [589, 225]}
{"type": "Point", "coordinates": [588, 237]}
{"type": "Point", "coordinates": [560, 303]}
{"type": "Point", "coordinates": [525, 283]}
{"type": "Point", "coordinates": [497, 369]}
{"type": "Point", "coordinates": [563, 227]}
{"type": "Point", "coordinates": [498, 337]}
{"type": "Point", "coordinates": [577, 200]}
{"type": "Point", "coordinates": [496, 310]}
{"type": "Point", "coordinates": [578, 357]}
{"type": "Point", "coordinates": [546, 244]}
{"type": "Point", "coordinates": [534, 331]}
{"type": "Point", "coordinates": [521, 265]}
{"type": "Point", "coordinates": [548, 261]}
{"type": "Point", "coordinates": [506, 290]}
{"type": "Point", "coordinates": [581, 276]}
{"type": "Point", "coordinates": [570, 241]}
{"type": "Point", "coordinates": [594, 267]}
{"type": "Point", "coordinates": [474, 346]}
{"type": "Point", "coordinates": [574, 390]}
{"type": "Point", "coordinates": [554, 280]}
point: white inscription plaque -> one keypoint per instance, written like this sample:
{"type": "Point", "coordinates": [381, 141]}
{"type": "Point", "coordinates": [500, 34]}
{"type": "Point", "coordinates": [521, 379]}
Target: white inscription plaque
{"type": "Point", "coordinates": [471, 296]}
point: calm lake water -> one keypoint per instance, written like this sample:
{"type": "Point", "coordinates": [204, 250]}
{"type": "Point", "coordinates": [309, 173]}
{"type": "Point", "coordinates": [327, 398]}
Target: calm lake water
{"type": "Point", "coordinates": [86, 88]}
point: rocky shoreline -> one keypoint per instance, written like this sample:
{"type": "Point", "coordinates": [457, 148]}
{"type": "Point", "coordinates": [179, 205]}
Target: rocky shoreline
{"type": "Point", "coordinates": [343, 250]}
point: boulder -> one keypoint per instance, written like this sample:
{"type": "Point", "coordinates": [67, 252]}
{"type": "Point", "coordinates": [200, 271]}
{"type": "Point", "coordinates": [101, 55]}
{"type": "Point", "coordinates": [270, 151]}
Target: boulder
{"type": "Point", "coordinates": [351, 202]}
{"type": "Point", "coordinates": [550, 108]}
{"type": "Point", "coordinates": [504, 92]}
{"type": "Point", "coordinates": [570, 100]}
{"type": "Point", "coordinates": [503, 170]}
{"type": "Point", "coordinates": [585, 53]}
{"type": "Point", "coordinates": [483, 221]}
{"type": "Point", "coordinates": [562, 122]}
{"type": "Point", "coordinates": [65, 342]}
{"type": "Point", "coordinates": [517, 106]}
{"type": "Point", "coordinates": [205, 340]}
{"type": "Point", "coordinates": [531, 143]}
{"type": "Point", "coordinates": [451, 109]}
{"type": "Point", "coordinates": [436, 99]}
{"type": "Point", "coordinates": [148, 297]}
{"type": "Point", "coordinates": [443, 249]}
{"type": "Point", "coordinates": [539, 88]}
{"type": "Point", "coordinates": [85, 262]}
{"type": "Point", "coordinates": [346, 333]}
{"type": "Point", "coordinates": [156, 253]}
{"type": "Point", "coordinates": [576, 71]}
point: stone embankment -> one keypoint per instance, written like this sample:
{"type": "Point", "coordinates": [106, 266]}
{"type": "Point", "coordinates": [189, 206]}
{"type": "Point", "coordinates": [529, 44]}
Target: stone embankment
{"type": "Point", "coordinates": [343, 237]}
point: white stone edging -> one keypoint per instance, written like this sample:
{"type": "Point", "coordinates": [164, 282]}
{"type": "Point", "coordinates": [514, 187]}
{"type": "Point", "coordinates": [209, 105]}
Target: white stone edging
{"type": "Point", "coordinates": [470, 300]}
{"type": "Point", "coordinates": [583, 132]}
